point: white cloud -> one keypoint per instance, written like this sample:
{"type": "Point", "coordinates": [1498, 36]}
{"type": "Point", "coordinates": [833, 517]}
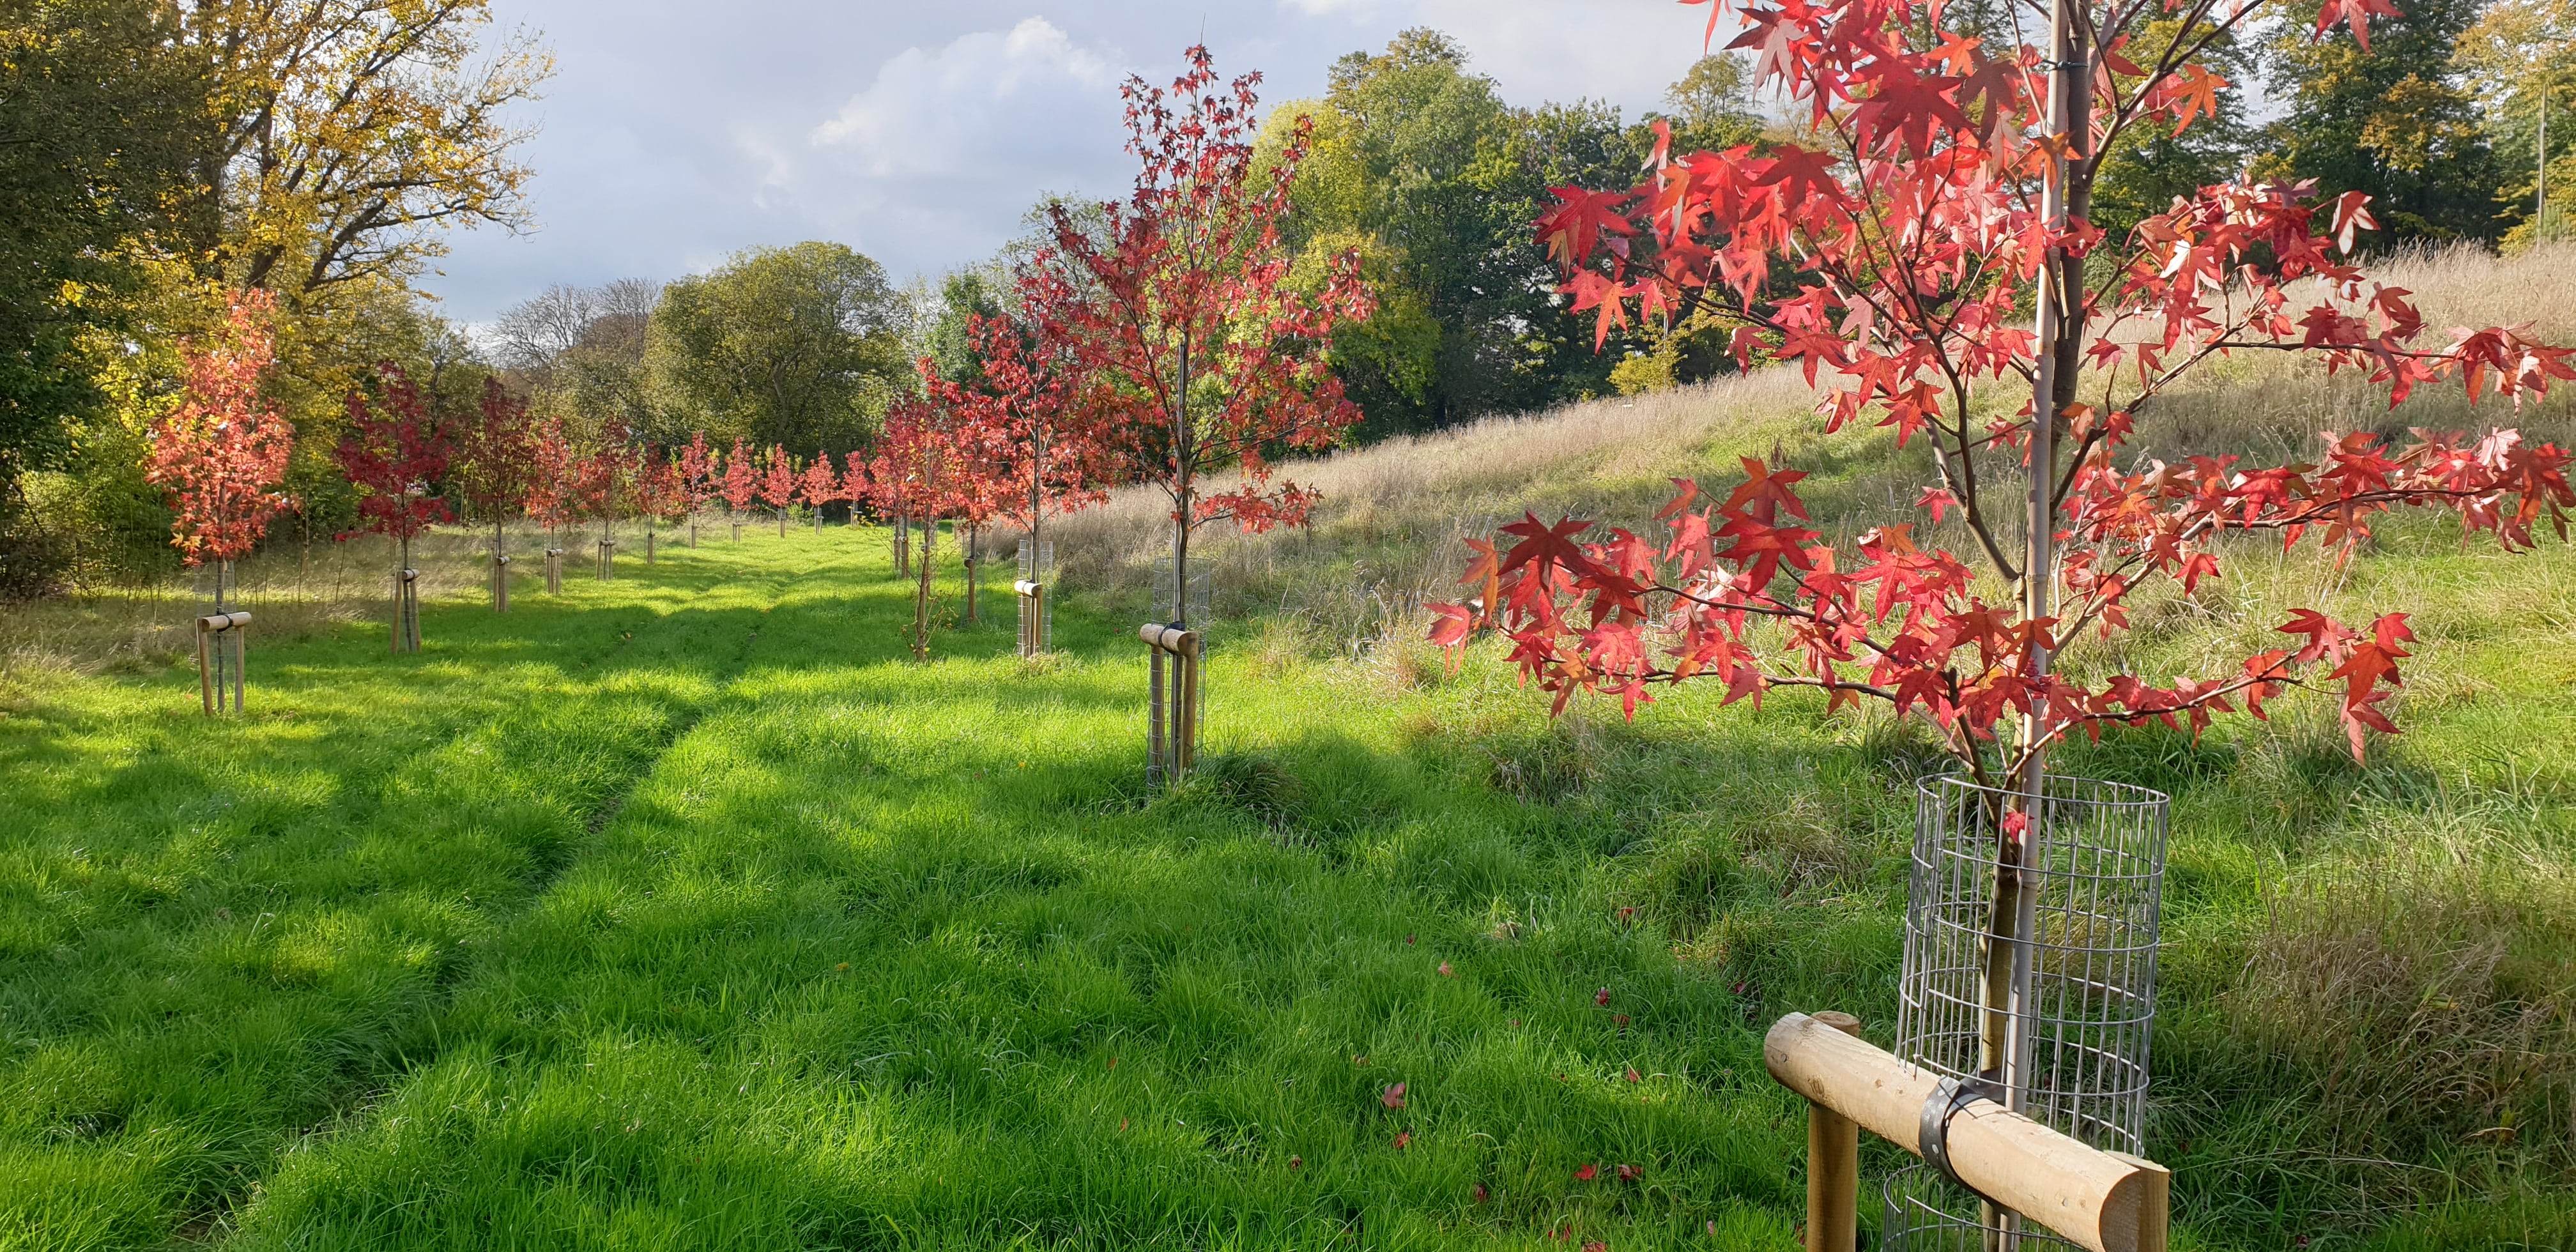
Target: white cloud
{"type": "Point", "coordinates": [992, 96]}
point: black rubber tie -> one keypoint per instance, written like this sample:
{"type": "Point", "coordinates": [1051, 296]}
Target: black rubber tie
{"type": "Point", "coordinates": [1932, 1133]}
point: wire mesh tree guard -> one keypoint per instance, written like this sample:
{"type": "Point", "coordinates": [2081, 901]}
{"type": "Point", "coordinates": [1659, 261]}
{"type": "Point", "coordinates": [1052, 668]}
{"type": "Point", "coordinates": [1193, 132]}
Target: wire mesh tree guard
{"type": "Point", "coordinates": [1037, 608]}
{"type": "Point", "coordinates": [902, 542]}
{"type": "Point", "coordinates": [1163, 599]}
{"type": "Point", "coordinates": [2085, 905]}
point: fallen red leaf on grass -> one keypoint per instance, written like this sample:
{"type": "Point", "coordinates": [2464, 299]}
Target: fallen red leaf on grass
{"type": "Point", "coordinates": [1602, 997]}
{"type": "Point", "coordinates": [1392, 1097]}
{"type": "Point", "coordinates": [1587, 1173]}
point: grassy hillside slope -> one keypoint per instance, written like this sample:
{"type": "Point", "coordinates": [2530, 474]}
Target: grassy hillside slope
{"type": "Point", "coordinates": [682, 911]}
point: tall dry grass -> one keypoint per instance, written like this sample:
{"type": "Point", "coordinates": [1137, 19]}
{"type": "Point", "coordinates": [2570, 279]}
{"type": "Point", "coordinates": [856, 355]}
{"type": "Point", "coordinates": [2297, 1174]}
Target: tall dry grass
{"type": "Point", "coordinates": [1390, 530]}
{"type": "Point", "coordinates": [290, 590]}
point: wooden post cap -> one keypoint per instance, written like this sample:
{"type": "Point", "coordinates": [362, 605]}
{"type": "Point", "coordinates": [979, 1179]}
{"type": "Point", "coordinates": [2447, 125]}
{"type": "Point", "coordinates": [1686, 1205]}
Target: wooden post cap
{"type": "Point", "coordinates": [501, 560]}
{"type": "Point", "coordinates": [1843, 1022]}
{"type": "Point", "coordinates": [2087, 1195]}
{"type": "Point", "coordinates": [1169, 638]}
{"type": "Point", "coordinates": [1027, 588]}
{"type": "Point", "coordinates": [554, 552]}
{"type": "Point", "coordinates": [409, 575]}
{"type": "Point", "coordinates": [222, 621]}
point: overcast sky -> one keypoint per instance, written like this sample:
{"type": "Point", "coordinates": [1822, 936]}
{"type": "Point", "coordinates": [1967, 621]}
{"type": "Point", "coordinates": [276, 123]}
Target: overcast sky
{"type": "Point", "coordinates": [674, 133]}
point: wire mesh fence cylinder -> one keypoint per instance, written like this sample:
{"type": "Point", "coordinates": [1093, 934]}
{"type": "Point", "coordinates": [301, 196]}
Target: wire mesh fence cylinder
{"type": "Point", "coordinates": [2096, 873]}
{"type": "Point", "coordinates": [1197, 609]}
{"type": "Point", "coordinates": [1037, 608]}
{"type": "Point", "coordinates": [1921, 1211]}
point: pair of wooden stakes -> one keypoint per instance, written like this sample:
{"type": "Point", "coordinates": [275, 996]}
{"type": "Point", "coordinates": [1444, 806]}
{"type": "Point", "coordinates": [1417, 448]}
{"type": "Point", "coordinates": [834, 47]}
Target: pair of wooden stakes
{"type": "Point", "coordinates": [2102, 1201]}
{"type": "Point", "coordinates": [1172, 731]}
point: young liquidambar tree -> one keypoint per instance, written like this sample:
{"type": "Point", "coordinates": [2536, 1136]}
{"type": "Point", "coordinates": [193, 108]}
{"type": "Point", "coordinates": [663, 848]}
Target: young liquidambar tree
{"type": "Point", "coordinates": [820, 485]}
{"type": "Point", "coordinates": [697, 469]}
{"type": "Point", "coordinates": [608, 479]}
{"type": "Point", "coordinates": [1198, 355]}
{"type": "Point", "coordinates": [923, 470]}
{"type": "Point", "coordinates": [661, 494]}
{"type": "Point", "coordinates": [220, 455]}
{"type": "Point", "coordinates": [1036, 447]}
{"type": "Point", "coordinates": [741, 483]}
{"type": "Point", "coordinates": [554, 491]}
{"type": "Point", "coordinates": [1939, 193]}
{"type": "Point", "coordinates": [778, 482]}
{"type": "Point", "coordinates": [855, 486]}
{"type": "Point", "coordinates": [394, 453]}
{"type": "Point", "coordinates": [496, 464]}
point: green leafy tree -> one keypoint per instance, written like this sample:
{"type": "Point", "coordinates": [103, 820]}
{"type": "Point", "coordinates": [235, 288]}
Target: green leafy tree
{"type": "Point", "coordinates": [2394, 120]}
{"type": "Point", "coordinates": [101, 121]}
{"type": "Point", "coordinates": [2520, 59]}
{"type": "Point", "coordinates": [1421, 168]}
{"type": "Point", "coordinates": [800, 347]}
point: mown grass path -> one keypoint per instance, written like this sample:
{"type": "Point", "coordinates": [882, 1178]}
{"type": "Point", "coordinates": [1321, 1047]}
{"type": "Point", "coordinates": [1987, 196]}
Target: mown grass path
{"type": "Point", "coordinates": [684, 912]}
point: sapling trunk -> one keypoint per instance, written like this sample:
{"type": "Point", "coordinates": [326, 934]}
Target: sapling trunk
{"type": "Point", "coordinates": [921, 608]}
{"type": "Point", "coordinates": [966, 552]}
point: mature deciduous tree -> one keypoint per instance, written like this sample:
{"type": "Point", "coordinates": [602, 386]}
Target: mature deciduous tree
{"type": "Point", "coordinates": [352, 130]}
{"type": "Point", "coordinates": [101, 118]}
{"type": "Point", "coordinates": [800, 346]}
{"type": "Point", "coordinates": [2392, 120]}
{"type": "Point", "coordinates": [2520, 61]}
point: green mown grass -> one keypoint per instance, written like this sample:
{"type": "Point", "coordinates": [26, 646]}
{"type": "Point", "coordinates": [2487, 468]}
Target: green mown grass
{"type": "Point", "coordinates": [685, 911]}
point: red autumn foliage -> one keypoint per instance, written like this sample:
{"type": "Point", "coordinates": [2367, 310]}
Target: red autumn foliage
{"type": "Point", "coordinates": [821, 484]}
{"type": "Point", "coordinates": [1039, 453]}
{"type": "Point", "coordinates": [697, 472]}
{"type": "Point", "coordinates": [554, 482]}
{"type": "Point", "coordinates": [495, 461]}
{"type": "Point", "coordinates": [739, 478]}
{"type": "Point", "coordinates": [777, 485]}
{"type": "Point", "coordinates": [1890, 260]}
{"type": "Point", "coordinates": [221, 454]}
{"type": "Point", "coordinates": [394, 453]}
{"type": "Point", "coordinates": [923, 471]}
{"type": "Point", "coordinates": [1196, 355]}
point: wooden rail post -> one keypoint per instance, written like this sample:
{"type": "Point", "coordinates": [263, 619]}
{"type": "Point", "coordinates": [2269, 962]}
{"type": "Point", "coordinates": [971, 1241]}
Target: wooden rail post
{"type": "Point", "coordinates": [2095, 1199]}
{"type": "Point", "coordinates": [215, 632]}
{"type": "Point", "coordinates": [607, 559]}
{"type": "Point", "coordinates": [554, 571]}
{"type": "Point", "coordinates": [1032, 616]}
{"type": "Point", "coordinates": [1833, 1166]}
{"type": "Point", "coordinates": [1172, 731]}
{"type": "Point", "coordinates": [501, 583]}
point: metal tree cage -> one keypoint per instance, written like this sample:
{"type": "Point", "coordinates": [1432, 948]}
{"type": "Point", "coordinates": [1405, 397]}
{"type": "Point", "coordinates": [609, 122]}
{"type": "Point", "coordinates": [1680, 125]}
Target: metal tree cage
{"type": "Point", "coordinates": [1199, 576]}
{"type": "Point", "coordinates": [2096, 875]}
{"type": "Point", "coordinates": [1037, 613]}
